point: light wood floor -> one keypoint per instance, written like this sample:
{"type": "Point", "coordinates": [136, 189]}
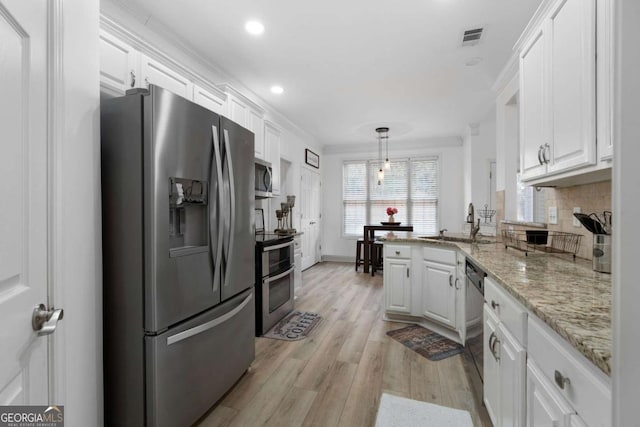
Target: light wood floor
{"type": "Point", "coordinates": [336, 376]}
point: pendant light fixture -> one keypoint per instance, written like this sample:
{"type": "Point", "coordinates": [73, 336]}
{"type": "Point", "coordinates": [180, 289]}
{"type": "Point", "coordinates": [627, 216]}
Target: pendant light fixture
{"type": "Point", "coordinates": [383, 133]}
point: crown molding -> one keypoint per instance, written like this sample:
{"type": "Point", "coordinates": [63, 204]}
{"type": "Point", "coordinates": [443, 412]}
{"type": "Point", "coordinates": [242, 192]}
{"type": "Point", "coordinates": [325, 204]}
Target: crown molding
{"type": "Point", "coordinates": [427, 143]}
{"type": "Point", "coordinates": [114, 15]}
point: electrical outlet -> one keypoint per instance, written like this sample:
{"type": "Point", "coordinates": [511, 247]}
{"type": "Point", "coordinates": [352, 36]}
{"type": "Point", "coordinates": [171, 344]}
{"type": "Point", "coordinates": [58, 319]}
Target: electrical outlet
{"type": "Point", "coordinates": [553, 215]}
{"type": "Point", "coordinates": [576, 223]}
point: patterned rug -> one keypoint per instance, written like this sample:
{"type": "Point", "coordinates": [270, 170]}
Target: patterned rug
{"type": "Point", "coordinates": [295, 326]}
{"type": "Point", "coordinates": [426, 343]}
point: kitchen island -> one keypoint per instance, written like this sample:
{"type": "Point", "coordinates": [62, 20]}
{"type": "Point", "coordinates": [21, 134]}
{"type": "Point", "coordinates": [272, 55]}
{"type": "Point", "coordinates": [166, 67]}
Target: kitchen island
{"type": "Point", "coordinates": [567, 295]}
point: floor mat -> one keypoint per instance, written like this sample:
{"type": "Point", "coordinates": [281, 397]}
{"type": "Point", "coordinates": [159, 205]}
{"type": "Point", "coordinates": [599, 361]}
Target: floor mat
{"type": "Point", "coordinates": [397, 411]}
{"type": "Point", "coordinates": [295, 326]}
{"type": "Point", "coordinates": [427, 343]}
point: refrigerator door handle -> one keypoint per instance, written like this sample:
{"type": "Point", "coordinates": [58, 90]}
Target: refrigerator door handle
{"type": "Point", "coordinates": [210, 324]}
{"type": "Point", "coordinates": [232, 195]}
{"type": "Point", "coordinates": [218, 255]}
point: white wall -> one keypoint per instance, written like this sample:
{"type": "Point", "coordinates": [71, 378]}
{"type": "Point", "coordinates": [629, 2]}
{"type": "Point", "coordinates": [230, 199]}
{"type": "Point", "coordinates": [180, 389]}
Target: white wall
{"type": "Point", "coordinates": [626, 211]}
{"type": "Point", "coordinates": [77, 255]}
{"type": "Point", "coordinates": [452, 210]}
{"type": "Point", "coordinates": [482, 152]}
{"type": "Point", "coordinates": [507, 140]}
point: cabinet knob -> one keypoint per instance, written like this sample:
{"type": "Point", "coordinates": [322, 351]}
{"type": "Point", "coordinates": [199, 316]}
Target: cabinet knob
{"type": "Point", "coordinates": [397, 252]}
{"type": "Point", "coordinates": [494, 304]}
{"type": "Point", "coordinates": [560, 379]}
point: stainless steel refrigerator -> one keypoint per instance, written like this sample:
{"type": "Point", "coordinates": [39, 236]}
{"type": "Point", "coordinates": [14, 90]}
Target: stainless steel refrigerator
{"type": "Point", "coordinates": [178, 251]}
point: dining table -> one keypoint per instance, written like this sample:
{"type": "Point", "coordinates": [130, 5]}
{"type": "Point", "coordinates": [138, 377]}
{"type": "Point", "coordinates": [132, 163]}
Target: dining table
{"type": "Point", "coordinates": [369, 237]}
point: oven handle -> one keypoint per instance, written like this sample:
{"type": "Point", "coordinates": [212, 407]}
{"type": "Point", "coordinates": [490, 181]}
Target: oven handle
{"type": "Point", "coordinates": [274, 247]}
{"type": "Point", "coordinates": [279, 276]}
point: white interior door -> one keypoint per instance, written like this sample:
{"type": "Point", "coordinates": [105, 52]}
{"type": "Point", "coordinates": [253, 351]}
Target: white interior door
{"type": "Point", "coordinates": [310, 217]}
{"type": "Point", "coordinates": [23, 195]}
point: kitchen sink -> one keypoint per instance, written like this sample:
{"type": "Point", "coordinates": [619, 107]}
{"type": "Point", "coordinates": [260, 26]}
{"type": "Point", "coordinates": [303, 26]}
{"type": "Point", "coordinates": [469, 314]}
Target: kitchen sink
{"type": "Point", "coordinates": [456, 239]}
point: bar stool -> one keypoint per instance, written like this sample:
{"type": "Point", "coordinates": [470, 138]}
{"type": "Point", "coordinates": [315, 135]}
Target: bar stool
{"type": "Point", "coordinates": [376, 254]}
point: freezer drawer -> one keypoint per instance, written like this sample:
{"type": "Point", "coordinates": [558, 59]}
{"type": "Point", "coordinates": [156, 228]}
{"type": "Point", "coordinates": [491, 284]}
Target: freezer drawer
{"type": "Point", "coordinates": [191, 366]}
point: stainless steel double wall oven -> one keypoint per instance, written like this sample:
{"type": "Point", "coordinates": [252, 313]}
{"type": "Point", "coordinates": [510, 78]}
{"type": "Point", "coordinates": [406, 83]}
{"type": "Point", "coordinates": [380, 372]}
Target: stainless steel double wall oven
{"type": "Point", "coordinates": [274, 280]}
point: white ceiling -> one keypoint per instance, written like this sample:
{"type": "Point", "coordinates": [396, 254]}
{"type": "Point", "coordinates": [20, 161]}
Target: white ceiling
{"type": "Point", "coordinates": [349, 66]}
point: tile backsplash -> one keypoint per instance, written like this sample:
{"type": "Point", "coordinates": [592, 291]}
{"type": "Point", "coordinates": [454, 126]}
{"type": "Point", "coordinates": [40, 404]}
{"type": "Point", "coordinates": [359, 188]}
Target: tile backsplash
{"type": "Point", "coordinates": [589, 198]}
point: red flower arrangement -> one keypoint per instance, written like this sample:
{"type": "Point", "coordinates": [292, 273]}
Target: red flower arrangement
{"type": "Point", "coordinates": [391, 211]}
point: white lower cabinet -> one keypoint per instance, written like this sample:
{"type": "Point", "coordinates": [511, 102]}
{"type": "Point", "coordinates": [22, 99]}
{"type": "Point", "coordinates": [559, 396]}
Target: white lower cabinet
{"type": "Point", "coordinates": [397, 285]}
{"type": "Point", "coordinates": [491, 368]}
{"type": "Point", "coordinates": [512, 366]}
{"type": "Point", "coordinates": [438, 286]}
{"type": "Point", "coordinates": [545, 407]}
{"type": "Point", "coordinates": [505, 358]}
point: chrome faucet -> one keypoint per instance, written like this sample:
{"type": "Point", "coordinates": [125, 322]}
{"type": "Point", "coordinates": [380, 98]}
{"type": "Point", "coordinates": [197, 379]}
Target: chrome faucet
{"type": "Point", "coordinates": [442, 232]}
{"type": "Point", "coordinates": [474, 231]}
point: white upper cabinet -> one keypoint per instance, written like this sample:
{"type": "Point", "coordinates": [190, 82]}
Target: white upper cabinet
{"type": "Point", "coordinates": [154, 72]}
{"type": "Point", "coordinates": [272, 153]}
{"type": "Point", "coordinates": [533, 122]}
{"type": "Point", "coordinates": [558, 92]}
{"type": "Point", "coordinates": [246, 113]}
{"type": "Point", "coordinates": [214, 100]}
{"type": "Point", "coordinates": [119, 65]}
{"type": "Point", "coordinates": [572, 100]}
{"type": "Point", "coordinates": [256, 124]}
{"type": "Point", "coordinates": [605, 79]}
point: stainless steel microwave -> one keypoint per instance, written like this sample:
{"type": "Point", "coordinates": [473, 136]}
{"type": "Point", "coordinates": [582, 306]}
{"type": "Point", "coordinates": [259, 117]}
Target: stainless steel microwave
{"type": "Point", "coordinates": [264, 173]}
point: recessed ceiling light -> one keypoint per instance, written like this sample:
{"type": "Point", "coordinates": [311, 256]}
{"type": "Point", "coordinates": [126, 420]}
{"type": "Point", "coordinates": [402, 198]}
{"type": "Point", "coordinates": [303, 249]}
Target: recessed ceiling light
{"type": "Point", "coordinates": [254, 27]}
{"type": "Point", "coordinates": [277, 90]}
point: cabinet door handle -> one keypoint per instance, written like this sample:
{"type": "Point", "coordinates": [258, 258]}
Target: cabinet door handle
{"type": "Point", "coordinates": [544, 153]}
{"type": "Point", "coordinates": [494, 304]}
{"type": "Point", "coordinates": [492, 339]}
{"type": "Point", "coordinates": [540, 155]}
{"type": "Point", "coordinates": [451, 280]}
{"type": "Point", "coordinates": [560, 379]}
{"type": "Point", "coordinates": [407, 271]}
{"type": "Point", "coordinates": [493, 350]}
{"type": "Point", "coordinates": [457, 281]}
{"type": "Point", "coordinates": [133, 79]}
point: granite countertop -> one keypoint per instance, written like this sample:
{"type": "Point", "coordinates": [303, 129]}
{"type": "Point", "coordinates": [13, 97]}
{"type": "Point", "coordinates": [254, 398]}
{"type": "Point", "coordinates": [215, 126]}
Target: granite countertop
{"type": "Point", "coordinates": [568, 295]}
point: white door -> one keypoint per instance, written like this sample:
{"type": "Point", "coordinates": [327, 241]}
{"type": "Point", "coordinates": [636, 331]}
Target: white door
{"type": "Point", "coordinates": [23, 191]}
{"type": "Point", "coordinates": [310, 217]}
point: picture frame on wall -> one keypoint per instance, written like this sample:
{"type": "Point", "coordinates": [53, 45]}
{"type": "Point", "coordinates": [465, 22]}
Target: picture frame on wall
{"type": "Point", "coordinates": [311, 158]}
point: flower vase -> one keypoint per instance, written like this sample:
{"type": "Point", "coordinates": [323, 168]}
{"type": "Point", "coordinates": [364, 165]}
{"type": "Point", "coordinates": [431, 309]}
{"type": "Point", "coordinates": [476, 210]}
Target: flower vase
{"type": "Point", "coordinates": [391, 219]}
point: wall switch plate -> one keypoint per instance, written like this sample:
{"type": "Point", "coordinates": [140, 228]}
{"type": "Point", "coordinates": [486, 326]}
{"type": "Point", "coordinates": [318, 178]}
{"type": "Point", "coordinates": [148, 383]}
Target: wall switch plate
{"type": "Point", "coordinates": [576, 223]}
{"type": "Point", "coordinates": [553, 215]}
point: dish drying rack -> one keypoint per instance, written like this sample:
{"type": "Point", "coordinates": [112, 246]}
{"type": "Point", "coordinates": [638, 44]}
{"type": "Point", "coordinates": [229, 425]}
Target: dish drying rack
{"type": "Point", "coordinates": [556, 242]}
{"type": "Point", "coordinates": [486, 213]}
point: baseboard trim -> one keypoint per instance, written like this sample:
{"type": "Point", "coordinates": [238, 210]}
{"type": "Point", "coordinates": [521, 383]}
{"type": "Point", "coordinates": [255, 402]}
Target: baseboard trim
{"type": "Point", "coordinates": [338, 258]}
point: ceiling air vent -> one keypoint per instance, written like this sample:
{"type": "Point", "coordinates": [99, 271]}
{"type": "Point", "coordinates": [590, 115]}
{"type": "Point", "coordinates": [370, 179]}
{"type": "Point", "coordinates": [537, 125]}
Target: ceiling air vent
{"type": "Point", "coordinates": [472, 36]}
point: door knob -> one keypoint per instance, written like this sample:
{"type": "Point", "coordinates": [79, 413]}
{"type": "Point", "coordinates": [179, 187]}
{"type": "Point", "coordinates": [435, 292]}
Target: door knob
{"type": "Point", "coordinates": [45, 321]}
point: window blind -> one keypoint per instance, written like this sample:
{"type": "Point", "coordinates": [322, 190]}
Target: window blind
{"type": "Point", "coordinates": [411, 186]}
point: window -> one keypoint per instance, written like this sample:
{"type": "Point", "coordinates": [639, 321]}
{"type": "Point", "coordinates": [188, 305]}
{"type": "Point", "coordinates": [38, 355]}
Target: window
{"type": "Point", "coordinates": [411, 186]}
{"type": "Point", "coordinates": [531, 203]}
